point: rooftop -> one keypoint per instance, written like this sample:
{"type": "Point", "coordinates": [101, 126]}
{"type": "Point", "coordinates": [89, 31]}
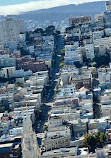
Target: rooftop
{"type": "Point", "coordinates": [62, 151]}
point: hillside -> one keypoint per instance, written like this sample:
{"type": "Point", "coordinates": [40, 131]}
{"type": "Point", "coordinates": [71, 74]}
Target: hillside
{"type": "Point", "coordinates": [63, 12]}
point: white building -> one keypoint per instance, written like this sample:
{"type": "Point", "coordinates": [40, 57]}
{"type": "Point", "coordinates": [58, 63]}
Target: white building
{"type": "Point", "coordinates": [22, 73]}
{"type": "Point", "coordinates": [7, 61]}
{"type": "Point", "coordinates": [79, 127]}
{"type": "Point", "coordinates": [38, 79]}
{"type": "Point", "coordinates": [62, 152]}
{"type": "Point", "coordinates": [60, 131]}
{"type": "Point", "coordinates": [8, 72]}
{"type": "Point", "coordinates": [67, 90]}
{"type": "Point", "coordinates": [31, 49]}
{"type": "Point", "coordinates": [106, 110]}
{"type": "Point", "coordinates": [73, 54]}
{"type": "Point", "coordinates": [103, 44]}
{"type": "Point", "coordinates": [104, 78]}
{"type": "Point", "coordinates": [108, 31]}
{"type": "Point", "coordinates": [89, 50]}
{"type": "Point", "coordinates": [100, 153]}
{"type": "Point", "coordinates": [16, 131]}
{"type": "Point", "coordinates": [103, 124]}
{"type": "Point", "coordinates": [86, 104]}
{"type": "Point", "coordinates": [71, 47]}
{"type": "Point", "coordinates": [22, 37]}
{"type": "Point", "coordinates": [98, 34]}
{"type": "Point", "coordinates": [55, 121]}
{"type": "Point", "coordinates": [100, 50]}
{"type": "Point", "coordinates": [67, 116]}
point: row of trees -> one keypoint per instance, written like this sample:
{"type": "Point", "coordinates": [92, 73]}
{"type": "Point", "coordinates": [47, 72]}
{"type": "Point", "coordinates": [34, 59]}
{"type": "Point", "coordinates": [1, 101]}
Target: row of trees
{"type": "Point", "coordinates": [62, 58]}
{"type": "Point", "coordinates": [94, 141]}
{"type": "Point", "coordinates": [50, 30]}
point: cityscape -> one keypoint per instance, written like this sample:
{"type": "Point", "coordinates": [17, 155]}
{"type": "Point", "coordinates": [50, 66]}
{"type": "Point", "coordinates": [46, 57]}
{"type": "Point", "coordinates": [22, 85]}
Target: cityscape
{"type": "Point", "coordinates": [55, 87]}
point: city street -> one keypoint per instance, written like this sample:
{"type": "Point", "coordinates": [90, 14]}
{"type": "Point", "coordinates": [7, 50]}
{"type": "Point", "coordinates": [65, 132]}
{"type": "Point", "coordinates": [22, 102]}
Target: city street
{"type": "Point", "coordinates": [50, 95]}
{"type": "Point", "coordinates": [56, 68]}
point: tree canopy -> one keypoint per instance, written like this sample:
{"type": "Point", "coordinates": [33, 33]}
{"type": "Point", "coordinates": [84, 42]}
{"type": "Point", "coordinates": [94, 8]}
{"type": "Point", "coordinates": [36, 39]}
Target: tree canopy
{"type": "Point", "coordinates": [103, 60]}
{"type": "Point", "coordinates": [61, 64]}
{"type": "Point", "coordinates": [50, 30]}
{"type": "Point", "coordinates": [90, 142]}
{"type": "Point", "coordinates": [63, 51]}
{"type": "Point", "coordinates": [94, 64]}
{"type": "Point", "coordinates": [39, 30]}
{"type": "Point", "coordinates": [94, 141]}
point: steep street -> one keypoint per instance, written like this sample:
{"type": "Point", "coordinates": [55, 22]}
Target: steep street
{"type": "Point", "coordinates": [50, 94]}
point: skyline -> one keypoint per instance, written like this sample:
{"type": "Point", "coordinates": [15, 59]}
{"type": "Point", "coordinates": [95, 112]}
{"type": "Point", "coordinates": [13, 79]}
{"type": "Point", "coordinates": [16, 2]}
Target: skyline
{"type": "Point", "coordinates": [20, 6]}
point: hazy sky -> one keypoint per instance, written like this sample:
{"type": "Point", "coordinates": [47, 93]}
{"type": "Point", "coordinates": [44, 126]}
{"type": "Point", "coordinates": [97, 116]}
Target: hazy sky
{"type": "Point", "coordinates": [18, 6]}
{"type": "Point", "coordinates": [12, 2]}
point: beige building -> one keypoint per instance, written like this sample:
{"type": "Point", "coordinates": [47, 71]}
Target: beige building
{"type": "Point", "coordinates": [55, 143]}
{"type": "Point", "coordinates": [99, 19]}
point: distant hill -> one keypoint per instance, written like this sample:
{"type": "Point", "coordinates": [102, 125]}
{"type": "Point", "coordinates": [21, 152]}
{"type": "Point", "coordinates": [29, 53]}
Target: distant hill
{"type": "Point", "coordinates": [63, 12]}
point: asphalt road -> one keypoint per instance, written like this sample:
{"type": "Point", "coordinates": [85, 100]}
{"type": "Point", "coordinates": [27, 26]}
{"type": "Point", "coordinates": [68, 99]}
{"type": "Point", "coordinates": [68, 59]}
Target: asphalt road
{"type": "Point", "coordinates": [56, 69]}
{"type": "Point", "coordinates": [50, 95]}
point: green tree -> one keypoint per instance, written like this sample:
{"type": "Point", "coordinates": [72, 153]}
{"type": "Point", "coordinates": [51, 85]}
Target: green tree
{"type": "Point", "coordinates": [90, 142]}
{"type": "Point", "coordinates": [61, 64]}
{"type": "Point", "coordinates": [102, 60]}
{"type": "Point", "coordinates": [50, 30]}
{"type": "Point", "coordinates": [45, 128]}
{"type": "Point", "coordinates": [2, 109]}
{"type": "Point", "coordinates": [88, 60]}
{"type": "Point", "coordinates": [50, 77]}
{"type": "Point", "coordinates": [39, 30]}
{"type": "Point", "coordinates": [62, 58]}
{"type": "Point", "coordinates": [57, 88]}
{"type": "Point", "coordinates": [29, 39]}
{"type": "Point", "coordinates": [68, 29]}
{"type": "Point", "coordinates": [78, 64]}
{"type": "Point", "coordinates": [27, 36]}
{"type": "Point", "coordinates": [94, 64]}
{"type": "Point", "coordinates": [103, 138]}
{"type": "Point", "coordinates": [23, 51]}
{"type": "Point", "coordinates": [48, 86]}
{"type": "Point", "coordinates": [63, 52]}
{"type": "Point", "coordinates": [97, 137]}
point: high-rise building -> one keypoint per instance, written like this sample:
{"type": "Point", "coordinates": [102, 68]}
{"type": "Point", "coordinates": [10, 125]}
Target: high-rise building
{"type": "Point", "coordinates": [107, 19]}
{"type": "Point", "coordinates": [108, 6]}
{"type": "Point", "coordinates": [10, 29]}
{"type": "Point", "coordinates": [107, 15]}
